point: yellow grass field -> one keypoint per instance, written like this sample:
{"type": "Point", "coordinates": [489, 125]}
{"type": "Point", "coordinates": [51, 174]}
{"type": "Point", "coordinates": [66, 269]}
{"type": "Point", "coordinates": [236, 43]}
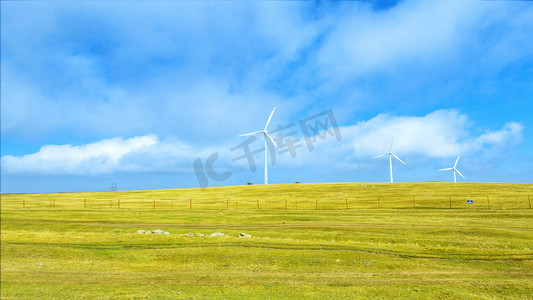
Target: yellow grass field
{"type": "Point", "coordinates": [308, 241]}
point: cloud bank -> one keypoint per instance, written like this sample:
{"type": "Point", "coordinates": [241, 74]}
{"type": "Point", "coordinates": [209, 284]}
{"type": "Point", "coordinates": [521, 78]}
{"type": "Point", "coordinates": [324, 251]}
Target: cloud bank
{"type": "Point", "coordinates": [440, 134]}
{"type": "Point", "coordinates": [137, 154]}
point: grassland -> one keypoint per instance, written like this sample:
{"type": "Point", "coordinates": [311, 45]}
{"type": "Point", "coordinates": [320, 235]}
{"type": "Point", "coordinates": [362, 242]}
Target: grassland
{"type": "Point", "coordinates": [309, 241]}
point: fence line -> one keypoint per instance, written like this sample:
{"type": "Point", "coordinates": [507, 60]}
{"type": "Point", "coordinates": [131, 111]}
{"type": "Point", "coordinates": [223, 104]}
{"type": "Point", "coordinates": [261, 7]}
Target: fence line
{"type": "Point", "coordinates": [286, 202]}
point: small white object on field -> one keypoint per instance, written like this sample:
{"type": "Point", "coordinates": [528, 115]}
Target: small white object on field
{"type": "Point", "coordinates": [216, 234]}
{"type": "Point", "coordinates": [157, 231]}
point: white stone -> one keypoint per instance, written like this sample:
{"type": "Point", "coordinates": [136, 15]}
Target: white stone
{"type": "Point", "coordinates": [140, 231]}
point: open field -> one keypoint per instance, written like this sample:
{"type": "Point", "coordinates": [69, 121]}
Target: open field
{"type": "Point", "coordinates": [309, 241]}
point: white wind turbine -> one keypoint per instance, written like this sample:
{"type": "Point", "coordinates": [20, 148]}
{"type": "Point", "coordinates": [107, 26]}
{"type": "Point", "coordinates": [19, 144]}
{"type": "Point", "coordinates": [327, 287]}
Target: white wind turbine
{"type": "Point", "coordinates": [265, 136]}
{"type": "Point", "coordinates": [390, 154]}
{"type": "Point", "coordinates": [454, 170]}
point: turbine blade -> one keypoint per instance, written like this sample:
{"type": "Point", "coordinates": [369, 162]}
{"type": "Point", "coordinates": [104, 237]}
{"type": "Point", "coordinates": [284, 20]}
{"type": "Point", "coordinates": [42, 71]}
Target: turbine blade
{"type": "Point", "coordinates": [397, 158]}
{"type": "Point", "coordinates": [269, 118]}
{"type": "Point", "coordinates": [447, 169]}
{"type": "Point", "coordinates": [390, 148]}
{"type": "Point", "coordinates": [380, 155]}
{"type": "Point", "coordinates": [271, 139]}
{"type": "Point", "coordinates": [459, 173]}
{"type": "Point", "coordinates": [455, 165]}
{"type": "Point", "coordinates": [251, 133]}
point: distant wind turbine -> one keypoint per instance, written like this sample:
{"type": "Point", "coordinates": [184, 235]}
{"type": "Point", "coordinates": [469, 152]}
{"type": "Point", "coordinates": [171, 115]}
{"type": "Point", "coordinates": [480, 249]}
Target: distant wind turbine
{"type": "Point", "coordinates": [390, 154]}
{"type": "Point", "coordinates": [454, 170]}
{"type": "Point", "coordinates": [265, 134]}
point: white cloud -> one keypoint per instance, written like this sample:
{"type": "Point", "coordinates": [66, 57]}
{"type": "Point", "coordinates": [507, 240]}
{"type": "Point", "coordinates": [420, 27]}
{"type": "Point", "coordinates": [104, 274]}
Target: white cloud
{"type": "Point", "coordinates": [467, 37]}
{"type": "Point", "coordinates": [442, 133]}
{"type": "Point", "coordinates": [100, 157]}
{"type": "Point", "coordinates": [510, 134]}
{"type": "Point", "coordinates": [412, 31]}
{"type": "Point", "coordinates": [161, 75]}
{"type": "Point", "coordinates": [132, 155]}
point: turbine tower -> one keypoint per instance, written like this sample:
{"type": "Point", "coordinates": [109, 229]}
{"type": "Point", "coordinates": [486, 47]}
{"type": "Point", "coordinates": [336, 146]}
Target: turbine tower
{"type": "Point", "coordinates": [265, 134]}
{"type": "Point", "coordinates": [390, 154]}
{"type": "Point", "coordinates": [454, 170]}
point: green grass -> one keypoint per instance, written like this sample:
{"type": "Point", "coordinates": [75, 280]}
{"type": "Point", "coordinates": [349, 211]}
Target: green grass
{"type": "Point", "coordinates": [310, 241]}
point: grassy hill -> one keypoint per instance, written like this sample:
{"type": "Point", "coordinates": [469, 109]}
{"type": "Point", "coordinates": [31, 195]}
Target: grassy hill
{"type": "Point", "coordinates": [309, 241]}
{"type": "Point", "coordinates": [294, 196]}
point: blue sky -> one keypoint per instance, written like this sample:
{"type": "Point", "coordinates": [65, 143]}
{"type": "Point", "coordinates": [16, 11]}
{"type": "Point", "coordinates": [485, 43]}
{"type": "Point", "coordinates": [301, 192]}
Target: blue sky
{"type": "Point", "coordinates": [134, 92]}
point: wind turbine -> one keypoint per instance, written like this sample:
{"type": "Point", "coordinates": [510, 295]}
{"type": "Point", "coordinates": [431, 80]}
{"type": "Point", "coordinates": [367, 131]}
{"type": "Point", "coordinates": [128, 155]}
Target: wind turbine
{"type": "Point", "coordinates": [390, 154]}
{"type": "Point", "coordinates": [265, 136]}
{"type": "Point", "coordinates": [454, 170]}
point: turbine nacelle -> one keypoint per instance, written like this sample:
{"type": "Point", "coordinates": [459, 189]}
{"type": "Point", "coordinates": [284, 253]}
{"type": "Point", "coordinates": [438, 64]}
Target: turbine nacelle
{"type": "Point", "coordinates": [454, 168]}
{"type": "Point", "coordinates": [264, 131]}
{"type": "Point", "coordinates": [390, 154]}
